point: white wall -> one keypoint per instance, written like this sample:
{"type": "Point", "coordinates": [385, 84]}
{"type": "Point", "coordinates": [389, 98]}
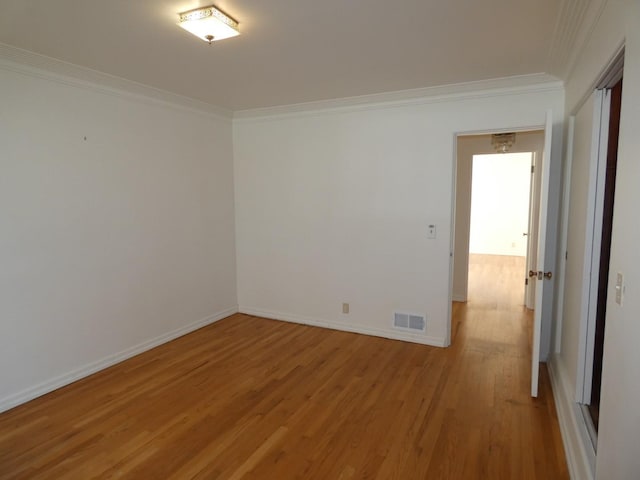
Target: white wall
{"type": "Point", "coordinates": [108, 244]}
{"type": "Point", "coordinates": [619, 432]}
{"type": "Point", "coordinates": [500, 204]}
{"type": "Point", "coordinates": [333, 206]}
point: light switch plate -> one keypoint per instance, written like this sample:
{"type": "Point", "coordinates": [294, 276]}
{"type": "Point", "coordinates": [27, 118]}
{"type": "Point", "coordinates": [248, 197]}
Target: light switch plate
{"type": "Point", "coordinates": [431, 232]}
{"type": "Point", "coordinates": [619, 288]}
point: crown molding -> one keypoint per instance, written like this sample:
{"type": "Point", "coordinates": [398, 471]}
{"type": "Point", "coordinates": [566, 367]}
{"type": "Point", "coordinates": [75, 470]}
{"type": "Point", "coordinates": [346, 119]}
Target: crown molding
{"type": "Point", "coordinates": [574, 26]}
{"type": "Point", "coordinates": [539, 82]}
{"type": "Point", "coordinates": [40, 66]}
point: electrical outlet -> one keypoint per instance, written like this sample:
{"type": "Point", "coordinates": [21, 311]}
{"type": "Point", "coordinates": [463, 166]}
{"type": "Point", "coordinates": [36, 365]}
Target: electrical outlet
{"type": "Point", "coordinates": [345, 308]}
{"type": "Point", "coordinates": [431, 231]}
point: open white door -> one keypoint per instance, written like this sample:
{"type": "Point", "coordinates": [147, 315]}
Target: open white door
{"type": "Point", "coordinates": [532, 234]}
{"type": "Point", "coordinates": [541, 274]}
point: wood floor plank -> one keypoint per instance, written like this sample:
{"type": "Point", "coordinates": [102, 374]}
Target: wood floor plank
{"type": "Point", "coordinates": [249, 398]}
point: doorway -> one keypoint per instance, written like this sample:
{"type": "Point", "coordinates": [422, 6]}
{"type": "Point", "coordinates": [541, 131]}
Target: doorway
{"type": "Point", "coordinates": [540, 325]}
{"type": "Point", "coordinates": [589, 222]}
{"type": "Point", "coordinates": [477, 151]}
{"type": "Point", "coordinates": [510, 308]}
{"type": "Point", "coordinates": [499, 227]}
{"type": "Point", "coordinates": [605, 249]}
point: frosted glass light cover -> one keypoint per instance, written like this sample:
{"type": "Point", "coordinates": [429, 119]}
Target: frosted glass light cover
{"type": "Point", "coordinates": [208, 23]}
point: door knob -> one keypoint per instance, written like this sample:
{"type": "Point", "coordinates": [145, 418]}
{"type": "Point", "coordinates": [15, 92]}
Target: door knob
{"type": "Point", "coordinates": [540, 275]}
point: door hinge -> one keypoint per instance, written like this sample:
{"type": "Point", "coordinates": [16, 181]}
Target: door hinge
{"type": "Point", "coordinates": [532, 168]}
{"type": "Point", "coordinates": [526, 281]}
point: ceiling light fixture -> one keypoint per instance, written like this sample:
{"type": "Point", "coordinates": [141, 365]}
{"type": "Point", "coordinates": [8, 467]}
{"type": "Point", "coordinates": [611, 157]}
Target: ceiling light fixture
{"type": "Point", "coordinates": [503, 142]}
{"type": "Point", "coordinates": [208, 23]}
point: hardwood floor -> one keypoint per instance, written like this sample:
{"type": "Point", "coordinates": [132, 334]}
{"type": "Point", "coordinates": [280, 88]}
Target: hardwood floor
{"type": "Point", "coordinates": [249, 398]}
{"type": "Point", "coordinates": [496, 281]}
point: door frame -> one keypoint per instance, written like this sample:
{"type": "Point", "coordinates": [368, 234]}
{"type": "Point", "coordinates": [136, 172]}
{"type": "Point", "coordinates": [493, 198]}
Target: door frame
{"type": "Point", "coordinates": [593, 238]}
{"type": "Point", "coordinates": [595, 206]}
{"type": "Point", "coordinates": [460, 292]}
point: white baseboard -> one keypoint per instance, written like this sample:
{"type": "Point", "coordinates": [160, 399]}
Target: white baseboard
{"type": "Point", "coordinates": [376, 332]}
{"type": "Point", "coordinates": [30, 393]}
{"type": "Point", "coordinates": [458, 298]}
{"type": "Point", "coordinates": [577, 445]}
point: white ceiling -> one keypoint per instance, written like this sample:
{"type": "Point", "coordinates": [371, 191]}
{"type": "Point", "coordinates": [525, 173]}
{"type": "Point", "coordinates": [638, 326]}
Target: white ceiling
{"type": "Point", "coordinates": [291, 51]}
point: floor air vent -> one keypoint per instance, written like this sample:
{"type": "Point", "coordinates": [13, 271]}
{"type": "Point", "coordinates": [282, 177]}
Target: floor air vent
{"type": "Point", "coordinates": [409, 321]}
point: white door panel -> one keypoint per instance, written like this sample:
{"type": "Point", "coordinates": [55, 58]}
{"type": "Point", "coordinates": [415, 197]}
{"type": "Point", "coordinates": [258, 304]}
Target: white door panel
{"type": "Point", "coordinates": [541, 289]}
